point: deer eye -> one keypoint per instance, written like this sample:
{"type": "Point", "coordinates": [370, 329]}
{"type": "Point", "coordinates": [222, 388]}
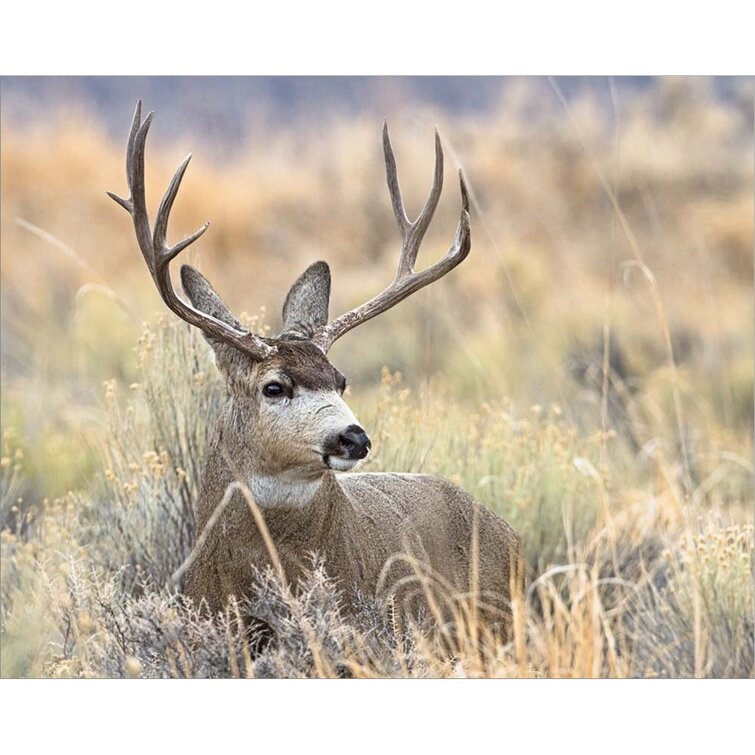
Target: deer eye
{"type": "Point", "coordinates": [273, 389]}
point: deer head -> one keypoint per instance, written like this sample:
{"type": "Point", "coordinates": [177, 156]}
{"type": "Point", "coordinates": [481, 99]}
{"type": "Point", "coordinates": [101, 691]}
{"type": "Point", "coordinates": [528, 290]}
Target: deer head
{"type": "Point", "coordinates": [286, 411]}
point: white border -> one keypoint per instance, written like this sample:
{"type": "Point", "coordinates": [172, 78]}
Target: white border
{"type": "Point", "coordinates": [452, 716]}
{"type": "Point", "coordinates": [581, 37]}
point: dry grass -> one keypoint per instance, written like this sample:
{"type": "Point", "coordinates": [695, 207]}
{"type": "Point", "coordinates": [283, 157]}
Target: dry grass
{"type": "Point", "coordinates": [587, 374]}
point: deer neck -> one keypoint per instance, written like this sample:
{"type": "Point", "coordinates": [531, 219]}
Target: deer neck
{"type": "Point", "coordinates": [279, 492]}
{"type": "Point", "coordinates": [326, 514]}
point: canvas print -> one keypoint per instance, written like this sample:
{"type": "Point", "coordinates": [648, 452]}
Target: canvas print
{"type": "Point", "coordinates": [366, 377]}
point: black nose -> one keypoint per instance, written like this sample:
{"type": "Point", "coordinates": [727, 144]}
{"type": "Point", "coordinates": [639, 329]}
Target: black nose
{"type": "Point", "coordinates": [354, 443]}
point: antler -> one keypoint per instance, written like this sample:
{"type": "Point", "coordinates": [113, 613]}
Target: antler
{"type": "Point", "coordinates": [157, 253]}
{"type": "Point", "coordinates": [407, 281]}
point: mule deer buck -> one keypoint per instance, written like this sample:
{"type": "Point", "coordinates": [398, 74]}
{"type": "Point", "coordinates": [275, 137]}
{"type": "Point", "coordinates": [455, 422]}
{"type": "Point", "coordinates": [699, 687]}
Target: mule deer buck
{"type": "Point", "coordinates": [288, 436]}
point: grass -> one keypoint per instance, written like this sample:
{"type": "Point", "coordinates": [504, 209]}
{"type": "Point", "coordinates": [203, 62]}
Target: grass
{"type": "Point", "coordinates": [587, 374]}
{"type": "Point", "coordinates": [619, 585]}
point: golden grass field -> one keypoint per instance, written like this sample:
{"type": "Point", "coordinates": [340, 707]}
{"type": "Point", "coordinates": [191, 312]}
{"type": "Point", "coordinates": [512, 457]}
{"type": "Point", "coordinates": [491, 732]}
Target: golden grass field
{"type": "Point", "coordinates": [587, 373]}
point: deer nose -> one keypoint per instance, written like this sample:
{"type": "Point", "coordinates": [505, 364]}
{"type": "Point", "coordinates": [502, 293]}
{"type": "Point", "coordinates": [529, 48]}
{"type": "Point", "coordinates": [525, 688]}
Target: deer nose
{"type": "Point", "coordinates": [354, 442]}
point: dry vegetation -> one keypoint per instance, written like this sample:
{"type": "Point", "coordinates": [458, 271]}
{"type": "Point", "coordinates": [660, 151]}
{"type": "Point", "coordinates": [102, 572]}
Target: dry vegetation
{"type": "Point", "coordinates": [587, 373]}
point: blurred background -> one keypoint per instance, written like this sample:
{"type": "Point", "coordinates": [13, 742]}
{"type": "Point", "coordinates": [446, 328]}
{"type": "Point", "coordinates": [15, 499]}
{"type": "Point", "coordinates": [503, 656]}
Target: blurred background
{"type": "Point", "coordinates": [610, 277]}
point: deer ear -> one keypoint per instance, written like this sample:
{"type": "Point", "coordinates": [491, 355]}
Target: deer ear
{"type": "Point", "coordinates": [204, 298]}
{"type": "Point", "coordinates": [306, 306]}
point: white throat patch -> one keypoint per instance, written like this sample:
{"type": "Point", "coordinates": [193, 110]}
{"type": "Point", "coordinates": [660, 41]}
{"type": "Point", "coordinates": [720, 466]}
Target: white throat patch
{"type": "Point", "coordinates": [270, 492]}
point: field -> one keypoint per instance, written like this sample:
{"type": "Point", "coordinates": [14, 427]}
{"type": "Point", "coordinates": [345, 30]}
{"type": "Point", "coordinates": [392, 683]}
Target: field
{"type": "Point", "coordinates": [587, 373]}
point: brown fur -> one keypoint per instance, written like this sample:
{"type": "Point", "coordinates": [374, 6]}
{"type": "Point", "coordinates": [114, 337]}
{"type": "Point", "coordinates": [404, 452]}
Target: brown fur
{"type": "Point", "coordinates": [358, 522]}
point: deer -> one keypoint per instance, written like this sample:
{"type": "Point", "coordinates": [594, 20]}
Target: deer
{"type": "Point", "coordinates": [287, 437]}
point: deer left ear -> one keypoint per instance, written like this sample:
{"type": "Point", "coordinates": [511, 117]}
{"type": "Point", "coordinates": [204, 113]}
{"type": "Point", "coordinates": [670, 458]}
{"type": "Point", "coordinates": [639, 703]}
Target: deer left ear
{"type": "Point", "coordinates": [306, 306]}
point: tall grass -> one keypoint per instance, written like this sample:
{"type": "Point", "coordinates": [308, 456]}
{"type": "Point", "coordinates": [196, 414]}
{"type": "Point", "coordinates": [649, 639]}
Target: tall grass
{"type": "Point", "coordinates": [619, 584]}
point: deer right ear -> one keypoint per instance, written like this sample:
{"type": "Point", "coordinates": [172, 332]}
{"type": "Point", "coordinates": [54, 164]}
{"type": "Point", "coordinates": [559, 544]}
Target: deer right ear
{"type": "Point", "coordinates": [204, 298]}
{"type": "Point", "coordinates": [306, 306]}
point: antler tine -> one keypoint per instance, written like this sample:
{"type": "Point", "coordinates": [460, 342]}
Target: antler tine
{"type": "Point", "coordinates": [157, 254]}
{"type": "Point", "coordinates": [407, 281]}
{"type": "Point", "coordinates": [166, 204]}
{"type": "Point", "coordinates": [393, 187]}
{"type": "Point", "coordinates": [138, 195]}
{"type": "Point", "coordinates": [412, 233]}
{"type": "Point", "coordinates": [460, 246]}
{"type": "Point", "coordinates": [425, 217]}
{"type": "Point", "coordinates": [136, 121]}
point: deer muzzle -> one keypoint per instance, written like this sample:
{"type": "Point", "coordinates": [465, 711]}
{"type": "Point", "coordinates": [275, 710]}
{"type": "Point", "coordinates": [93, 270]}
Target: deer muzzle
{"type": "Point", "coordinates": [345, 448]}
